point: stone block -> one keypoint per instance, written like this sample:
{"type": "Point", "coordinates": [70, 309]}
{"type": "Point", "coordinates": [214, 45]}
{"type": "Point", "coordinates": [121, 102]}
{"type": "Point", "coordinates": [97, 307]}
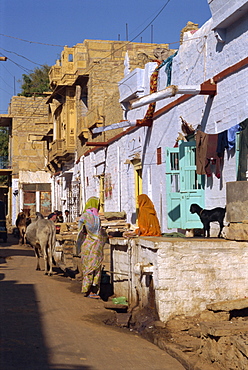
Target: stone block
{"type": "Point", "coordinates": [223, 329]}
{"type": "Point", "coordinates": [236, 304]}
{"type": "Point", "coordinates": [214, 316]}
{"type": "Point", "coordinates": [236, 231]}
{"type": "Point", "coordinates": [236, 201]}
{"type": "Point", "coordinates": [241, 342]}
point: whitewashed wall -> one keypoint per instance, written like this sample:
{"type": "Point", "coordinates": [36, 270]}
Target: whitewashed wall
{"type": "Point", "coordinates": [200, 58]}
{"type": "Point", "coordinates": [187, 274]}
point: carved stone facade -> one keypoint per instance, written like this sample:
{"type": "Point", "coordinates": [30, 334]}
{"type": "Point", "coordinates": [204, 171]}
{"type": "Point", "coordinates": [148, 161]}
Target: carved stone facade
{"type": "Point", "coordinates": [85, 90]}
{"type": "Point", "coordinates": [31, 188]}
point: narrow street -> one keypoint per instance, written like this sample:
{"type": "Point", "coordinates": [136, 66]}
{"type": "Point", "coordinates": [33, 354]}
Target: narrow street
{"type": "Point", "coordinates": [47, 324]}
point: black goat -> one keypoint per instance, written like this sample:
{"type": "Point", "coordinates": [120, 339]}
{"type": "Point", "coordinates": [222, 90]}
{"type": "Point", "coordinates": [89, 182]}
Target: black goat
{"type": "Point", "coordinates": [207, 216]}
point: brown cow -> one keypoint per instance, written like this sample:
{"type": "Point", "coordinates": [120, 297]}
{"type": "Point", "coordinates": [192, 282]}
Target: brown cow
{"type": "Point", "coordinates": [21, 224]}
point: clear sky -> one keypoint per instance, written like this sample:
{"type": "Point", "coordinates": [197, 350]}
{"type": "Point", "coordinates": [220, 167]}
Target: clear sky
{"type": "Point", "coordinates": [33, 32]}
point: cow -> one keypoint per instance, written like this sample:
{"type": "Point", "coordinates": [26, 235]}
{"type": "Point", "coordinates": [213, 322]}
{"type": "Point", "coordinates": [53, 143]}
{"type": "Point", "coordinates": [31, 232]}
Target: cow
{"type": "Point", "coordinates": [41, 235]}
{"type": "Point", "coordinates": [21, 224]}
{"type": "Point", "coordinates": [22, 221]}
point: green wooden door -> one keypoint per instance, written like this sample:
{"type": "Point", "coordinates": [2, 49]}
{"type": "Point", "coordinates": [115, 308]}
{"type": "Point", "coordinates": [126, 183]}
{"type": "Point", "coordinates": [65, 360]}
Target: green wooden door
{"type": "Point", "coordinates": [173, 188]}
{"type": "Point", "coordinates": [183, 186]}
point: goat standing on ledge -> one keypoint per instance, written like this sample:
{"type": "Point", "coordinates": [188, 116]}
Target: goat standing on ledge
{"type": "Point", "coordinates": [207, 216]}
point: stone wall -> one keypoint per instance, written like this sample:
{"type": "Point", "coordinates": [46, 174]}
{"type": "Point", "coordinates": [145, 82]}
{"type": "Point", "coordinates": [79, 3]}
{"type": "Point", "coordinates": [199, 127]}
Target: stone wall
{"type": "Point", "coordinates": [185, 274]}
{"type": "Point", "coordinates": [105, 68]}
{"type": "Point", "coordinates": [29, 123]}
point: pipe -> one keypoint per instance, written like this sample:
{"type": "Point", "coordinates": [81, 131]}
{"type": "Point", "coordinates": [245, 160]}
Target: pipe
{"type": "Point", "coordinates": [83, 187]}
{"type": "Point", "coordinates": [129, 272]}
{"type": "Point", "coordinates": [121, 124]}
{"type": "Point", "coordinates": [166, 93]}
{"type": "Point", "coordinates": [117, 273]}
{"type": "Point", "coordinates": [118, 179]}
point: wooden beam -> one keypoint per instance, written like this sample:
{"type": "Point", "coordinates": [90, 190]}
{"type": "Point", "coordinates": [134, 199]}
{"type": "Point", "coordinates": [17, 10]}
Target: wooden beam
{"type": "Point", "coordinates": [92, 143]}
{"type": "Point", "coordinates": [230, 70]}
{"type": "Point", "coordinates": [208, 88]}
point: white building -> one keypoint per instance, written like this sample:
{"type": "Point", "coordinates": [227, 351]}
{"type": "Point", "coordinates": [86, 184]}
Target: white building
{"type": "Point", "coordinates": [141, 160]}
{"type": "Point", "coordinates": [209, 91]}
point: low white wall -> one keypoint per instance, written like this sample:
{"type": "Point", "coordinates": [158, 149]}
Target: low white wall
{"type": "Point", "coordinates": [187, 274]}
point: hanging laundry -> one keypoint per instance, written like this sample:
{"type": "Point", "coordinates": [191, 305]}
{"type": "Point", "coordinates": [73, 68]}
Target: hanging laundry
{"type": "Point", "coordinates": [231, 136]}
{"type": "Point", "coordinates": [201, 152]}
{"type": "Point", "coordinates": [212, 157]}
{"type": "Point", "coordinates": [168, 67]}
{"type": "Point", "coordinates": [206, 154]}
{"type": "Point", "coordinates": [222, 143]}
{"type": "Point", "coordinates": [188, 130]}
{"type": "Point", "coordinates": [153, 88]}
{"type": "Point", "coordinates": [154, 84]}
{"type": "Point", "coordinates": [243, 151]}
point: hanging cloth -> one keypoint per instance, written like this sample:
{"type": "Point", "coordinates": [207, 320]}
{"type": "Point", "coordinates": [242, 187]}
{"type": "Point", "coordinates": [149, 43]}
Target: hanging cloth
{"type": "Point", "coordinates": [222, 143]}
{"type": "Point", "coordinates": [154, 84]}
{"type": "Point", "coordinates": [231, 136]}
{"type": "Point", "coordinates": [201, 152]}
{"type": "Point", "coordinates": [212, 157]}
{"type": "Point", "coordinates": [168, 67]}
{"type": "Point", "coordinates": [153, 88]}
{"type": "Point", "coordinates": [243, 151]}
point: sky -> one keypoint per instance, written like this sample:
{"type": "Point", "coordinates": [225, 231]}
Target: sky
{"type": "Point", "coordinates": [34, 33]}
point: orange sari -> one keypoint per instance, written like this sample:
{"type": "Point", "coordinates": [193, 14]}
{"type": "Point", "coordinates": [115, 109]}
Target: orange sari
{"type": "Point", "coordinates": [147, 220]}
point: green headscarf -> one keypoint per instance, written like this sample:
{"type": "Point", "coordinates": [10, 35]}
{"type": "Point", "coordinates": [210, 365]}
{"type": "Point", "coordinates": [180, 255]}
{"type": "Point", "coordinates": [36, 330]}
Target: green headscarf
{"type": "Point", "coordinates": [92, 202]}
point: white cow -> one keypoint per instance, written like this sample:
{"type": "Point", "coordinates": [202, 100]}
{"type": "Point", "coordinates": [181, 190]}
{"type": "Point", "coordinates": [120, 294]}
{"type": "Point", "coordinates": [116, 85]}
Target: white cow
{"type": "Point", "coordinates": [41, 235]}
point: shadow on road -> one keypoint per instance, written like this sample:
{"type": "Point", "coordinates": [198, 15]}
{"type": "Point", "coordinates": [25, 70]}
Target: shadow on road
{"type": "Point", "coordinates": [15, 250]}
{"type": "Point", "coordinates": [22, 342]}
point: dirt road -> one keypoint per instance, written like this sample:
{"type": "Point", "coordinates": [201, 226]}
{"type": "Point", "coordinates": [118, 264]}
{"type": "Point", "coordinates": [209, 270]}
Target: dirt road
{"type": "Point", "coordinates": [46, 323]}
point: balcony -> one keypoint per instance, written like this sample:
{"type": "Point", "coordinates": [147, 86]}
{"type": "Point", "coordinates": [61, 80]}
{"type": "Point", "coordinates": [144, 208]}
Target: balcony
{"type": "Point", "coordinates": [61, 151]}
{"type": "Point", "coordinates": [56, 150]}
{"type": "Point", "coordinates": [94, 118]}
{"type": "Point", "coordinates": [55, 75]}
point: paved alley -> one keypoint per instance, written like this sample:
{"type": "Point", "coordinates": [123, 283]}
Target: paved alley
{"type": "Point", "coordinates": [47, 324]}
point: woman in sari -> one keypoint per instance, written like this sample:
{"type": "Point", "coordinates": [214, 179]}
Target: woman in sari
{"type": "Point", "coordinates": [91, 241]}
{"type": "Point", "coordinates": [148, 224]}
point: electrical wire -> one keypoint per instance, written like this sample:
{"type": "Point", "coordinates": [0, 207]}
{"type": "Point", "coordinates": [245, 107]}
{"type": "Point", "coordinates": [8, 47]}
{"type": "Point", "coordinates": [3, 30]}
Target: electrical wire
{"type": "Point", "coordinates": [5, 91]}
{"type": "Point", "coordinates": [21, 56]}
{"type": "Point", "coordinates": [31, 42]}
{"type": "Point", "coordinates": [27, 70]}
{"type": "Point", "coordinates": [20, 66]}
{"type": "Point", "coordinates": [2, 65]}
{"type": "Point", "coordinates": [41, 43]}
{"type": "Point", "coordinates": [128, 42]}
{"type": "Point", "coordinates": [6, 82]}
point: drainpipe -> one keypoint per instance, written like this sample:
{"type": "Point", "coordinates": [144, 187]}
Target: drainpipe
{"type": "Point", "coordinates": [118, 179]}
{"type": "Point", "coordinates": [37, 200]}
{"type": "Point", "coordinates": [21, 200]}
{"type": "Point", "coordinates": [82, 173]}
{"type": "Point", "coordinates": [129, 250]}
{"type": "Point", "coordinates": [166, 93]}
{"type": "Point", "coordinates": [113, 126]}
{"type": "Point", "coordinates": [53, 192]}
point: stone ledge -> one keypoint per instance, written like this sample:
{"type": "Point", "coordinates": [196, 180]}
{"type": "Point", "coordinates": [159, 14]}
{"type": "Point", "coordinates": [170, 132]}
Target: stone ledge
{"type": "Point", "coordinates": [223, 329]}
{"type": "Point", "coordinates": [236, 304]}
{"type": "Point", "coordinates": [236, 231]}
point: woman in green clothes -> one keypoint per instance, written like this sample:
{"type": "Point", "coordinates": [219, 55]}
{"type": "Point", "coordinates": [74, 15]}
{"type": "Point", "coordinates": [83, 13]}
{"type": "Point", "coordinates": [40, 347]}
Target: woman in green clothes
{"type": "Point", "coordinates": [91, 241]}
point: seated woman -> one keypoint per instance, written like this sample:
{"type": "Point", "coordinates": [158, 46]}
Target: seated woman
{"type": "Point", "coordinates": [147, 219]}
{"type": "Point", "coordinates": [90, 242]}
{"type": "Point", "coordinates": [148, 224]}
